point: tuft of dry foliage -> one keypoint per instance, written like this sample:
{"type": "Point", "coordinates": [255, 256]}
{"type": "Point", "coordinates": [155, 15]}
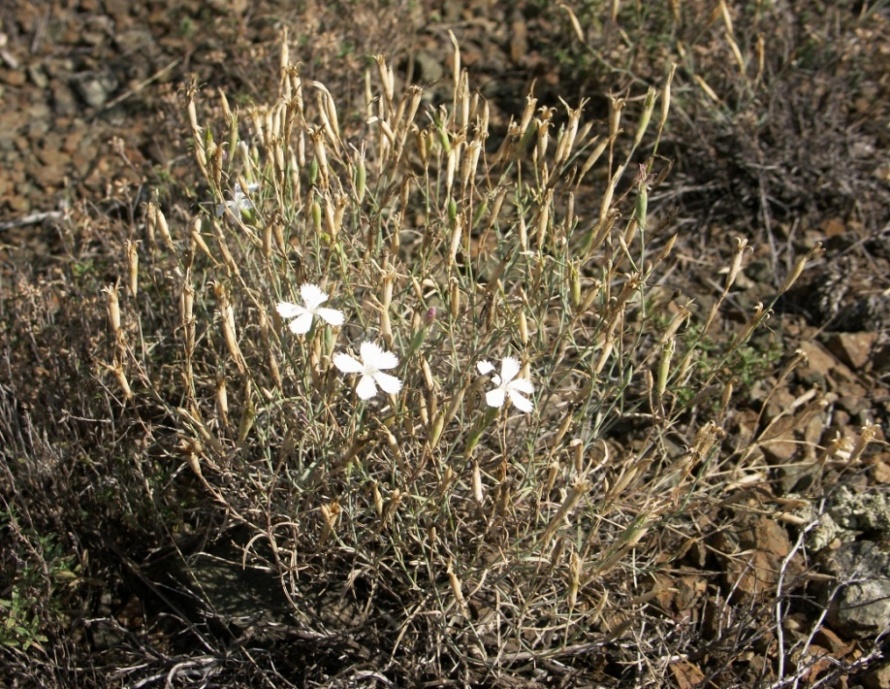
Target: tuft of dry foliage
{"type": "Point", "coordinates": [299, 535]}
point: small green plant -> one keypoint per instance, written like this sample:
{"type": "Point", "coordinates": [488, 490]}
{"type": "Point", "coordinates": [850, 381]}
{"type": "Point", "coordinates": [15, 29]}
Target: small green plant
{"type": "Point", "coordinates": [187, 27]}
{"type": "Point", "coordinates": [35, 598]}
{"type": "Point", "coordinates": [20, 627]}
{"type": "Point", "coordinates": [82, 269]}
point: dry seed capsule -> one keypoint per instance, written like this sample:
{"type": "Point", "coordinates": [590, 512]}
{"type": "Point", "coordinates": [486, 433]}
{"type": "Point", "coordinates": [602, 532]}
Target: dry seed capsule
{"type": "Point", "coordinates": [477, 483]}
{"type": "Point", "coordinates": [666, 97]}
{"type": "Point", "coordinates": [133, 267]}
{"type": "Point", "coordinates": [665, 366]}
{"type": "Point", "coordinates": [574, 578]}
{"type": "Point", "coordinates": [114, 312]}
{"type": "Point", "coordinates": [222, 401]}
{"type": "Point", "coordinates": [436, 431]}
{"type": "Point", "coordinates": [118, 371]}
{"type": "Point", "coordinates": [455, 299]}
{"type": "Point", "coordinates": [575, 278]}
{"type": "Point", "coordinates": [648, 107]}
{"type": "Point", "coordinates": [163, 228]}
{"type": "Point", "coordinates": [361, 179]}
{"type": "Point", "coordinates": [615, 110]}
{"type": "Point", "coordinates": [523, 328]}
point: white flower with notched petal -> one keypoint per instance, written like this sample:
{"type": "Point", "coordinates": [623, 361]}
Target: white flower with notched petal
{"type": "Point", "coordinates": [240, 201]}
{"type": "Point", "coordinates": [313, 299]}
{"type": "Point", "coordinates": [373, 361]}
{"type": "Point", "coordinates": [508, 385]}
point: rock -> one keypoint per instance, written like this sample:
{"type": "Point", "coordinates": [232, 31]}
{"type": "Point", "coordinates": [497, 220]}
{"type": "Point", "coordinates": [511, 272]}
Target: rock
{"type": "Point", "coordinates": [64, 103]}
{"type": "Point", "coordinates": [880, 472]}
{"type": "Point", "coordinates": [430, 69]}
{"type": "Point", "coordinates": [881, 362]}
{"type": "Point", "coordinates": [825, 534]}
{"type": "Point", "coordinates": [53, 156]}
{"type": "Point", "coordinates": [879, 678]}
{"type": "Point", "coordinates": [235, 592]}
{"type": "Point", "coordinates": [855, 402]}
{"type": "Point", "coordinates": [51, 177]}
{"type": "Point", "coordinates": [72, 141]}
{"type": "Point", "coordinates": [118, 9]}
{"type": "Point", "coordinates": [137, 42]}
{"type": "Point", "coordinates": [864, 512]}
{"type": "Point", "coordinates": [861, 607]}
{"type": "Point", "coordinates": [12, 123]}
{"type": "Point", "coordinates": [97, 29]}
{"type": "Point", "coordinates": [18, 204]}
{"type": "Point", "coordinates": [819, 363]}
{"type": "Point", "coordinates": [766, 545]}
{"type": "Point", "coordinates": [836, 646]}
{"type": "Point", "coordinates": [12, 77]}
{"type": "Point", "coordinates": [39, 124]}
{"type": "Point", "coordinates": [38, 76]}
{"type": "Point", "coordinates": [95, 88]}
{"type": "Point", "coordinates": [854, 349]}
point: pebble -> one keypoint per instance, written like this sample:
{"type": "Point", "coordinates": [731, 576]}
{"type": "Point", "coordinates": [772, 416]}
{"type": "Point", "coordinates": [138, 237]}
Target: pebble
{"type": "Point", "coordinates": [38, 76]}
{"type": "Point", "coordinates": [12, 77]}
{"type": "Point", "coordinates": [18, 203]}
{"type": "Point", "coordinates": [63, 99]}
{"type": "Point", "coordinates": [95, 87]}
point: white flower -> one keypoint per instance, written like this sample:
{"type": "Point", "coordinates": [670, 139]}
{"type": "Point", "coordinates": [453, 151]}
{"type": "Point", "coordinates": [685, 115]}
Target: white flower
{"type": "Point", "coordinates": [508, 385]}
{"type": "Point", "coordinates": [373, 359]}
{"type": "Point", "coordinates": [239, 201]}
{"type": "Point", "coordinates": [313, 297]}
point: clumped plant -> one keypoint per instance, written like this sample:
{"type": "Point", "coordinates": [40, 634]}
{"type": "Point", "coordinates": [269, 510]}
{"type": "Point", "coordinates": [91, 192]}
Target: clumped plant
{"type": "Point", "coordinates": [435, 381]}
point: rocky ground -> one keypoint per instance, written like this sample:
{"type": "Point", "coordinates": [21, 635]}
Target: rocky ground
{"type": "Point", "coordinates": [92, 118]}
{"type": "Point", "coordinates": [91, 99]}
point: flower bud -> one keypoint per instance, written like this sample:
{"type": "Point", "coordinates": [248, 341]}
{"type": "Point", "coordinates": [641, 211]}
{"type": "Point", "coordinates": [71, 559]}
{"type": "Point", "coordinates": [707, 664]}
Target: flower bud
{"type": "Point", "coordinates": [429, 317]}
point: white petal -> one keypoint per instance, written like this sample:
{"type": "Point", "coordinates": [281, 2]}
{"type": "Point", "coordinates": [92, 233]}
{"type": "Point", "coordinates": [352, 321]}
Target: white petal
{"type": "Point", "coordinates": [484, 367]}
{"type": "Point", "coordinates": [331, 316]}
{"type": "Point", "coordinates": [287, 310]}
{"type": "Point", "coordinates": [302, 324]}
{"type": "Point", "coordinates": [520, 402]}
{"type": "Point", "coordinates": [366, 388]}
{"type": "Point", "coordinates": [238, 190]}
{"type": "Point", "coordinates": [385, 360]}
{"type": "Point", "coordinates": [369, 350]}
{"type": "Point", "coordinates": [312, 296]}
{"type": "Point", "coordinates": [495, 398]}
{"type": "Point", "coordinates": [239, 201]}
{"type": "Point", "coordinates": [390, 384]}
{"type": "Point", "coordinates": [374, 357]}
{"type": "Point", "coordinates": [523, 385]}
{"type": "Point", "coordinates": [509, 368]}
{"type": "Point", "coordinates": [347, 364]}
